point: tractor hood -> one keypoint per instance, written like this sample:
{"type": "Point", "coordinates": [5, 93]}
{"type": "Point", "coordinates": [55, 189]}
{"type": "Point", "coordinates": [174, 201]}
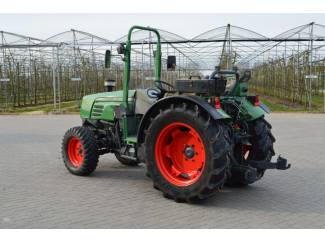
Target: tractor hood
{"type": "Point", "coordinates": [97, 104]}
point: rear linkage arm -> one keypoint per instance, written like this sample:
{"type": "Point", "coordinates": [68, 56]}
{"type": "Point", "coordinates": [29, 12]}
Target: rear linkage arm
{"type": "Point", "coordinates": [281, 164]}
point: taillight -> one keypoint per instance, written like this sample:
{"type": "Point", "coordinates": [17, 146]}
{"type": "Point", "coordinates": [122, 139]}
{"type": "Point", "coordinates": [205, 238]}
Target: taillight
{"type": "Point", "coordinates": [256, 101]}
{"type": "Point", "coordinates": [217, 103]}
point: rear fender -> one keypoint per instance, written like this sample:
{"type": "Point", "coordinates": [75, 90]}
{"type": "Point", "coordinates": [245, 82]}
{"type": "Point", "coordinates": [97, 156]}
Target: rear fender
{"type": "Point", "coordinates": [251, 112]}
{"type": "Point", "coordinates": [216, 114]}
{"type": "Point", "coordinates": [265, 108]}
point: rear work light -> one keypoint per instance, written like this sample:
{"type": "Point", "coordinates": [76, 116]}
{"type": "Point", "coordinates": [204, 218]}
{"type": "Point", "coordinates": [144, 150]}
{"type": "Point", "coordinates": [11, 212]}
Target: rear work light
{"type": "Point", "coordinates": [217, 103]}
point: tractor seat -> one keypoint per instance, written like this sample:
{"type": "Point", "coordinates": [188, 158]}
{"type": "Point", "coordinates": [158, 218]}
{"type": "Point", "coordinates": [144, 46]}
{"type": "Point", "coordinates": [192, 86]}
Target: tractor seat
{"type": "Point", "coordinates": [144, 98]}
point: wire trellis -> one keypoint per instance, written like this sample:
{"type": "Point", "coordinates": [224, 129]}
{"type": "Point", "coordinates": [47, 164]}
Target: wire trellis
{"type": "Point", "coordinates": [70, 64]}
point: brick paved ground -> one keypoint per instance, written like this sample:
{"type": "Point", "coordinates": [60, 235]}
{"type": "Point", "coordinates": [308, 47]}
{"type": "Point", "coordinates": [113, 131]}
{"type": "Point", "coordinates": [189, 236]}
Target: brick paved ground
{"type": "Point", "coordinates": [36, 191]}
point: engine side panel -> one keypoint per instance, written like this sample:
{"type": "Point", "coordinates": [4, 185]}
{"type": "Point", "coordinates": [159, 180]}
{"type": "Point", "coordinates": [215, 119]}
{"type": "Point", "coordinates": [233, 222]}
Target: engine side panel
{"type": "Point", "coordinates": [101, 105]}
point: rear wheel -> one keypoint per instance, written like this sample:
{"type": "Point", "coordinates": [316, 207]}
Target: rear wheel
{"type": "Point", "coordinates": [261, 148]}
{"type": "Point", "coordinates": [186, 153]}
{"type": "Point", "coordinates": [79, 151]}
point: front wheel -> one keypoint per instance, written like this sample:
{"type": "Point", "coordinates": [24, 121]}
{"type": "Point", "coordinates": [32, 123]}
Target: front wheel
{"type": "Point", "coordinates": [79, 151]}
{"type": "Point", "coordinates": [186, 153]}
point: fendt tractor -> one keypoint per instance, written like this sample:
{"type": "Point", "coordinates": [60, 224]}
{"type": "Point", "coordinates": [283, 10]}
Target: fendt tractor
{"type": "Point", "coordinates": [194, 136]}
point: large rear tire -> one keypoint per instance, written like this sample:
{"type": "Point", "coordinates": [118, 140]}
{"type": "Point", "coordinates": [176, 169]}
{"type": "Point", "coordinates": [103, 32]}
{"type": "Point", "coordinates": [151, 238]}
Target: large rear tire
{"type": "Point", "coordinates": [186, 153]}
{"type": "Point", "coordinates": [79, 151]}
{"type": "Point", "coordinates": [261, 148]}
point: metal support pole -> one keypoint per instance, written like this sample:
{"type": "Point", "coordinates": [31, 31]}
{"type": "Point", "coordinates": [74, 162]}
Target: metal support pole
{"type": "Point", "coordinates": [54, 83]}
{"type": "Point", "coordinates": [323, 76]}
{"type": "Point", "coordinates": [310, 64]}
{"type": "Point", "coordinates": [150, 53]}
{"type": "Point", "coordinates": [276, 64]}
{"type": "Point", "coordinates": [285, 73]}
{"type": "Point", "coordinates": [6, 94]}
{"type": "Point", "coordinates": [298, 71]}
{"type": "Point", "coordinates": [229, 60]}
{"type": "Point", "coordinates": [142, 65]}
{"type": "Point", "coordinates": [58, 76]}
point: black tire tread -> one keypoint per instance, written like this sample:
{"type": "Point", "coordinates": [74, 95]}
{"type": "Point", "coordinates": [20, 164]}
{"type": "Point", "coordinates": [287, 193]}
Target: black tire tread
{"type": "Point", "coordinates": [262, 147]}
{"type": "Point", "coordinates": [262, 139]}
{"type": "Point", "coordinates": [91, 155]}
{"type": "Point", "coordinates": [220, 145]}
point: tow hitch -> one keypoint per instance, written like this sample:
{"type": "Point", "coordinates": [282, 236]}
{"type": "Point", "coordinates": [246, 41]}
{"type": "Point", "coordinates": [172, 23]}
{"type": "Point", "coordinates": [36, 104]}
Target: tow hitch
{"type": "Point", "coordinates": [281, 163]}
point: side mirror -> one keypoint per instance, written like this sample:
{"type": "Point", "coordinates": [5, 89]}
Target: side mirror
{"type": "Point", "coordinates": [121, 49]}
{"type": "Point", "coordinates": [108, 59]}
{"type": "Point", "coordinates": [171, 63]}
{"type": "Point", "coordinates": [246, 76]}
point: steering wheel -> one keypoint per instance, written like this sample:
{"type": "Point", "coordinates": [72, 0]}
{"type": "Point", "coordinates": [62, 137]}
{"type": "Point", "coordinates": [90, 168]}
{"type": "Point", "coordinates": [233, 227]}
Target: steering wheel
{"type": "Point", "coordinates": [168, 87]}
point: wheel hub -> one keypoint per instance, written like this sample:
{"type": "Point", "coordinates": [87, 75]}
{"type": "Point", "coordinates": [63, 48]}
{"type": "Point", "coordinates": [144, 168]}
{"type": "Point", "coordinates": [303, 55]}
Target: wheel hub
{"type": "Point", "coordinates": [180, 154]}
{"type": "Point", "coordinates": [75, 152]}
{"type": "Point", "coordinates": [189, 152]}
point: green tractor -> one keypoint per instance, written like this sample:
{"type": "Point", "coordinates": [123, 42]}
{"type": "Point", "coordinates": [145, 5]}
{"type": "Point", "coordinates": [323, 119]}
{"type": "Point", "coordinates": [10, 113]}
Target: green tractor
{"type": "Point", "coordinates": [194, 136]}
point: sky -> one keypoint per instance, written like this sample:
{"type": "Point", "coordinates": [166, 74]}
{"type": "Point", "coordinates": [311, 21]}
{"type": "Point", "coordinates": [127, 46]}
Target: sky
{"type": "Point", "coordinates": [113, 26]}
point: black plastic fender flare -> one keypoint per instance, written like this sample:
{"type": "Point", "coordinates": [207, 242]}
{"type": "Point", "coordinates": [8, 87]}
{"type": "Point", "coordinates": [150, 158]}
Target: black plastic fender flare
{"type": "Point", "coordinates": [165, 102]}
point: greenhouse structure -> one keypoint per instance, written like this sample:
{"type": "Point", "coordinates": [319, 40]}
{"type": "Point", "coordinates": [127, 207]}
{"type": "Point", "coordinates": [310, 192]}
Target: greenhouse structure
{"type": "Point", "coordinates": [68, 65]}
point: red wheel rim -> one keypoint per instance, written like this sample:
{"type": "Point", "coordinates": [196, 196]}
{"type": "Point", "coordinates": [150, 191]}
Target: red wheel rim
{"type": "Point", "coordinates": [180, 154]}
{"type": "Point", "coordinates": [75, 152]}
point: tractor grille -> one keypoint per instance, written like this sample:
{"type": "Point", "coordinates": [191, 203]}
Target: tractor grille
{"type": "Point", "coordinates": [97, 111]}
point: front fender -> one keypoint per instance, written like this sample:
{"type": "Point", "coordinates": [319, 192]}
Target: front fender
{"type": "Point", "coordinates": [216, 114]}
